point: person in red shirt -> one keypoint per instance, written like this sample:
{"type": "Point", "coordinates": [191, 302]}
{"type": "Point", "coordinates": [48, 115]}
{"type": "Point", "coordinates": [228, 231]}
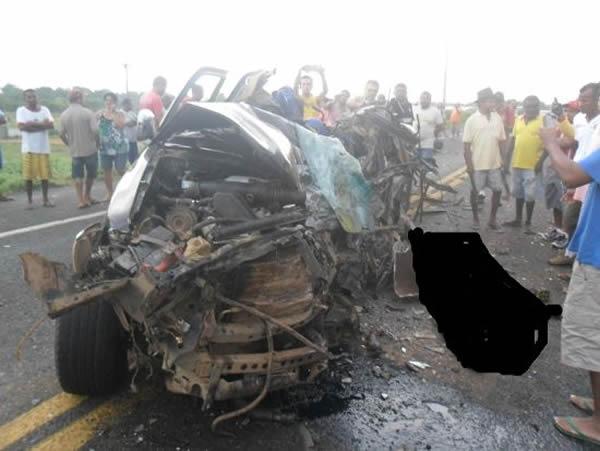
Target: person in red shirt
{"type": "Point", "coordinates": [152, 100]}
{"type": "Point", "coordinates": [506, 112]}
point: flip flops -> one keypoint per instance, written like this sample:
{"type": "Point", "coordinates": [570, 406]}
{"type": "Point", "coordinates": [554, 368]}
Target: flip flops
{"type": "Point", "coordinates": [567, 426]}
{"type": "Point", "coordinates": [582, 403]}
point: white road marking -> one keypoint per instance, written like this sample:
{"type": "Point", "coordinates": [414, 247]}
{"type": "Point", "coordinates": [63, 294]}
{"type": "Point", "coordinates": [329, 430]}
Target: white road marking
{"type": "Point", "coordinates": [50, 224]}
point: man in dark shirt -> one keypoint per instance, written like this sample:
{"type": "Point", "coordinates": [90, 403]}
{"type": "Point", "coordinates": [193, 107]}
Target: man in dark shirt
{"type": "Point", "coordinates": [399, 107]}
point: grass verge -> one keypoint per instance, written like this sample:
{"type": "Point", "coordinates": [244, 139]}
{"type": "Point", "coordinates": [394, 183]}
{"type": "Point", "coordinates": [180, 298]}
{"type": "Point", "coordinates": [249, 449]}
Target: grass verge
{"type": "Point", "coordinates": [10, 175]}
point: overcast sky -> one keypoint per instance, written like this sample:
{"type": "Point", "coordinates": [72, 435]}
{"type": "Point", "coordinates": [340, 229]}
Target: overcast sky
{"type": "Point", "coordinates": [523, 47]}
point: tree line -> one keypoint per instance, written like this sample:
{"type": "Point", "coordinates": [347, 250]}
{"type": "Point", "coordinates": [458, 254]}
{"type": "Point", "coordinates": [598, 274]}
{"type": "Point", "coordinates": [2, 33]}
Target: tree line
{"type": "Point", "coordinates": [56, 100]}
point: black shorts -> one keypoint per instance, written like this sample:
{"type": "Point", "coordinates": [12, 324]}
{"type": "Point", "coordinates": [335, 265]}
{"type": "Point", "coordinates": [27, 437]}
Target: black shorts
{"type": "Point", "coordinates": [87, 165]}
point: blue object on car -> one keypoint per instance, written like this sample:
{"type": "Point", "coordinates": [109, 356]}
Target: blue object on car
{"type": "Point", "coordinates": [288, 102]}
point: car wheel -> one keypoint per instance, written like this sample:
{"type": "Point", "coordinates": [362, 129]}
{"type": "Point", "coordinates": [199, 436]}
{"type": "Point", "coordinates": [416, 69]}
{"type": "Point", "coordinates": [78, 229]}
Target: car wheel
{"type": "Point", "coordinates": [90, 350]}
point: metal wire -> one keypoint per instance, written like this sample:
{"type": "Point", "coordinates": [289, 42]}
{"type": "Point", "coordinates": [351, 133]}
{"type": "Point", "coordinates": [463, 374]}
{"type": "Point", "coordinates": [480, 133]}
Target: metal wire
{"type": "Point", "coordinates": [275, 322]}
{"type": "Point", "coordinates": [263, 393]}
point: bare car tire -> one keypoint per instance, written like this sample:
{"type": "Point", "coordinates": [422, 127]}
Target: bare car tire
{"type": "Point", "coordinates": [90, 351]}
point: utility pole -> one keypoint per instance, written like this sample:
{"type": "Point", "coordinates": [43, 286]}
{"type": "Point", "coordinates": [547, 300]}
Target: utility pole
{"type": "Point", "coordinates": [445, 78]}
{"type": "Point", "coordinates": [126, 78]}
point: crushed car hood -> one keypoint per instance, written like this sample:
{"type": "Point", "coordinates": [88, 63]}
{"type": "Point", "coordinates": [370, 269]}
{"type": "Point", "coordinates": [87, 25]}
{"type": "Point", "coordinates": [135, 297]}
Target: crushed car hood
{"type": "Point", "coordinates": [265, 147]}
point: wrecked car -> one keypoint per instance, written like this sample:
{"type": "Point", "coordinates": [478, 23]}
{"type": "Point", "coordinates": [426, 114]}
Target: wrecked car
{"type": "Point", "coordinates": [227, 252]}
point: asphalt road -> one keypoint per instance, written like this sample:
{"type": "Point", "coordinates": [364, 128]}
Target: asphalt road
{"type": "Point", "coordinates": [441, 407]}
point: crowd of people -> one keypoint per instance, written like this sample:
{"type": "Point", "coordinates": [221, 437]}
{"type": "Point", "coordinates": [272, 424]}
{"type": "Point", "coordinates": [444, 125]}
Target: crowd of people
{"type": "Point", "coordinates": [427, 119]}
{"type": "Point", "coordinates": [107, 139]}
{"type": "Point", "coordinates": [555, 156]}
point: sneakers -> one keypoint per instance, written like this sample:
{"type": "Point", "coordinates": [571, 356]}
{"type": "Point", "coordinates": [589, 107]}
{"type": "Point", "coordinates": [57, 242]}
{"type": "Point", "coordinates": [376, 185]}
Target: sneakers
{"type": "Point", "coordinates": [558, 238]}
{"type": "Point", "coordinates": [561, 260]}
{"type": "Point", "coordinates": [561, 242]}
{"type": "Point", "coordinates": [554, 234]}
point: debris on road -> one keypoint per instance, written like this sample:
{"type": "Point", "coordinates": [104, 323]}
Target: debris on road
{"type": "Point", "coordinates": [442, 410]}
{"type": "Point", "coordinates": [415, 365]}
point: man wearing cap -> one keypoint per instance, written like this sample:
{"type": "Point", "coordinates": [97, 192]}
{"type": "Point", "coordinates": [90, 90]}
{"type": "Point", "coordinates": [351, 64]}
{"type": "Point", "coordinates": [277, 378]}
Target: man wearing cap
{"type": "Point", "coordinates": [79, 131]}
{"type": "Point", "coordinates": [483, 138]}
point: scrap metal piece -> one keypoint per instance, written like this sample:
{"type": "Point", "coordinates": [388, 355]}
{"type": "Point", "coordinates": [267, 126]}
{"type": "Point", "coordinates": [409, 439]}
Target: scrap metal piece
{"type": "Point", "coordinates": [63, 304]}
{"type": "Point", "coordinates": [83, 247]}
{"type": "Point", "coordinates": [405, 281]}
{"type": "Point", "coordinates": [52, 282]}
{"type": "Point", "coordinates": [45, 277]}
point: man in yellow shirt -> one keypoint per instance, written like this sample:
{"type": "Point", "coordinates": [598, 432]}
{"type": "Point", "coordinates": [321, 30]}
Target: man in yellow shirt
{"type": "Point", "coordinates": [527, 149]}
{"type": "Point", "coordinates": [303, 88]}
{"type": "Point", "coordinates": [527, 161]}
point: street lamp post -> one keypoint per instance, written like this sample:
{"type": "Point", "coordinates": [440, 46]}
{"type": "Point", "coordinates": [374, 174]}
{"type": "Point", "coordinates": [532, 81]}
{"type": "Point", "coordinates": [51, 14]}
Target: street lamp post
{"type": "Point", "coordinates": [126, 78]}
{"type": "Point", "coordinates": [445, 78]}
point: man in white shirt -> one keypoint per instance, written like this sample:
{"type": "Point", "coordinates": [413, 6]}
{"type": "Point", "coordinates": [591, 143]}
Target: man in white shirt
{"type": "Point", "coordinates": [587, 136]}
{"type": "Point", "coordinates": [484, 137]}
{"type": "Point", "coordinates": [429, 122]}
{"type": "Point", "coordinates": [34, 121]}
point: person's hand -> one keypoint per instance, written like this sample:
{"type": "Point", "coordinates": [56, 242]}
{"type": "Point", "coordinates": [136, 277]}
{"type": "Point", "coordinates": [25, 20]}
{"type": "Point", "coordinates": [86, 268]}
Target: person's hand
{"type": "Point", "coordinates": [557, 109]}
{"type": "Point", "coordinates": [568, 196]}
{"type": "Point", "coordinates": [550, 137]}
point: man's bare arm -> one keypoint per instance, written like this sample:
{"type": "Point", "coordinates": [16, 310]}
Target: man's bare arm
{"type": "Point", "coordinates": [31, 126]}
{"type": "Point", "coordinates": [297, 82]}
{"type": "Point", "coordinates": [64, 138]}
{"type": "Point", "coordinates": [568, 170]}
{"type": "Point", "coordinates": [509, 147]}
{"type": "Point", "coordinates": [324, 82]}
{"type": "Point", "coordinates": [468, 157]}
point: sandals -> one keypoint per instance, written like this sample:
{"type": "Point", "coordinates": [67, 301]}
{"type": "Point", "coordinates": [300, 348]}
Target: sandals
{"type": "Point", "coordinates": [582, 403]}
{"type": "Point", "coordinates": [567, 426]}
{"type": "Point", "coordinates": [513, 223]}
